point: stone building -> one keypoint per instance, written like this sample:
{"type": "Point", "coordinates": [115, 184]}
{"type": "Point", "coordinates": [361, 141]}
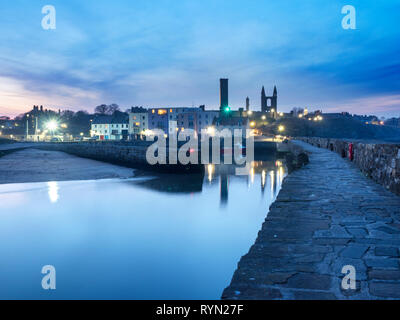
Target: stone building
{"type": "Point", "coordinates": [269, 104]}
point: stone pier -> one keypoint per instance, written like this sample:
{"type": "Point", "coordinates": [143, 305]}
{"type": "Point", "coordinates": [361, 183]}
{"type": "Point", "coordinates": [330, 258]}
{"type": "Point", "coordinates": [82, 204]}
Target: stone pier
{"type": "Point", "coordinates": [326, 216]}
{"type": "Point", "coordinates": [132, 155]}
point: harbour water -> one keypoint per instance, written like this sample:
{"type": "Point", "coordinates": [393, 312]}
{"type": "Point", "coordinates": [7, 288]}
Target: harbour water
{"type": "Point", "coordinates": [150, 237]}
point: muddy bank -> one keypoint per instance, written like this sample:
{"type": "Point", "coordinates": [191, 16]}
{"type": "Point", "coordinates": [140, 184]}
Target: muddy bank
{"type": "Point", "coordinates": [32, 165]}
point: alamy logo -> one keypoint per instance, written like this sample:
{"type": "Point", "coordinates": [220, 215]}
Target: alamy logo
{"type": "Point", "coordinates": [49, 280]}
{"type": "Point", "coordinates": [188, 153]}
{"type": "Point", "coordinates": [49, 20]}
{"type": "Point", "coordinates": [349, 280]}
{"type": "Point", "coordinates": [349, 20]}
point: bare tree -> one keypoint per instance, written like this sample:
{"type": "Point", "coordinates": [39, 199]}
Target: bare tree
{"type": "Point", "coordinates": [107, 109]}
{"type": "Point", "coordinates": [101, 109]}
{"type": "Point", "coordinates": [112, 108]}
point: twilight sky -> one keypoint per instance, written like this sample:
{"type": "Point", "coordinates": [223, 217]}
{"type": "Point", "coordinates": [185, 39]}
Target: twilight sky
{"type": "Point", "coordinates": [172, 53]}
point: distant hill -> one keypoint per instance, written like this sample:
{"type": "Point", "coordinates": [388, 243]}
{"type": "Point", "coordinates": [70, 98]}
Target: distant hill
{"type": "Point", "coordinates": [338, 127]}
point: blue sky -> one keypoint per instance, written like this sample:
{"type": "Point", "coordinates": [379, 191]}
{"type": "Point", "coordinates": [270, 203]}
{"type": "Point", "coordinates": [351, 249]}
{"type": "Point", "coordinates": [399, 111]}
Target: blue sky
{"type": "Point", "coordinates": [172, 53]}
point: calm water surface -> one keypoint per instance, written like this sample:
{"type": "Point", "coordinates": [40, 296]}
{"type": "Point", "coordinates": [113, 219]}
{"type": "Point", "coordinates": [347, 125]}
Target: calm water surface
{"type": "Point", "coordinates": [165, 237]}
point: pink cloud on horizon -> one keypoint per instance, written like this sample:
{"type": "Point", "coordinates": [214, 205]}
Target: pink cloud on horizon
{"type": "Point", "coordinates": [388, 104]}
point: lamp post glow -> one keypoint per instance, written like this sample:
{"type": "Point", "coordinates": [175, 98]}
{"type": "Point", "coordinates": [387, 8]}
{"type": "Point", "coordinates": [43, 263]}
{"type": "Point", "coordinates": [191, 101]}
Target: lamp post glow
{"type": "Point", "coordinates": [52, 125]}
{"type": "Point", "coordinates": [281, 128]}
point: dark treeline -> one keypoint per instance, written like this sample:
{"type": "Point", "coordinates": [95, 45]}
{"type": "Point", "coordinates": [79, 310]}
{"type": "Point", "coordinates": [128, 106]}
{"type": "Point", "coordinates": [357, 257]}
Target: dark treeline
{"type": "Point", "coordinates": [342, 127]}
{"type": "Point", "coordinates": [72, 122]}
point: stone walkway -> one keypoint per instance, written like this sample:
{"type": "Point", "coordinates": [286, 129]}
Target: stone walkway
{"type": "Point", "coordinates": [327, 215]}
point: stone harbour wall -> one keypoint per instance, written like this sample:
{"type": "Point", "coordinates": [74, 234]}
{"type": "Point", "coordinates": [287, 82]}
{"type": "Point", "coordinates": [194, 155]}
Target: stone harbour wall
{"type": "Point", "coordinates": [295, 155]}
{"type": "Point", "coordinates": [129, 155]}
{"type": "Point", "coordinates": [379, 161]}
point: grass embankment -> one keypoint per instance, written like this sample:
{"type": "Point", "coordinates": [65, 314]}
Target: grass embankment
{"type": "Point", "coordinates": [338, 128]}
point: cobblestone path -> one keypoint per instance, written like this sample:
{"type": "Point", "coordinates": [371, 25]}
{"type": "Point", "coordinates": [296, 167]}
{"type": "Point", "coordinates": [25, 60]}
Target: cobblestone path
{"type": "Point", "coordinates": [327, 215]}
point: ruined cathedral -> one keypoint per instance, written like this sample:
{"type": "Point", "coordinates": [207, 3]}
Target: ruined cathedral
{"type": "Point", "coordinates": [269, 104]}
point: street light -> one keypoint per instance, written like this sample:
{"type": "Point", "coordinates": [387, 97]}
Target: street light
{"type": "Point", "coordinates": [281, 128]}
{"type": "Point", "coordinates": [211, 130]}
{"type": "Point", "coordinates": [52, 125]}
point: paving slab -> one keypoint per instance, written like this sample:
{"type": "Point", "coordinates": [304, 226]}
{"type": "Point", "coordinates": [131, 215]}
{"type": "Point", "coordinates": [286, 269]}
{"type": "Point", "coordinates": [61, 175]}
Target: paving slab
{"type": "Point", "coordinates": [327, 215]}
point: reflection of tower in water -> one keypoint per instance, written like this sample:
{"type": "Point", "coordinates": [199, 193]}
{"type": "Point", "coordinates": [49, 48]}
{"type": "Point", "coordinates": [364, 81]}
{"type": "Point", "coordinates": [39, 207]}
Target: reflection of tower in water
{"type": "Point", "coordinates": [270, 173]}
{"type": "Point", "coordinates": [224, 189]}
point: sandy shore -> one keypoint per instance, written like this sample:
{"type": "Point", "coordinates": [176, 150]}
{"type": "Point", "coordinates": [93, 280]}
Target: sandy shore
{"type": "Point", "coordinates": [32, 165]}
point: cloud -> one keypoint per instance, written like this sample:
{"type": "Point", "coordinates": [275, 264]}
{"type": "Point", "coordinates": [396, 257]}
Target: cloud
{"type": "Point", "coordinates": [16, 99]}
{"type": "Point", "coordinates": [173, 53]}
{"type": "Point", "coordinates": [379, 105]}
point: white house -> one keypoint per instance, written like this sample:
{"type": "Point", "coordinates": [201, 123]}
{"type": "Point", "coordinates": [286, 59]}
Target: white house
{"type": "Point", "coordinates": [110, 128]}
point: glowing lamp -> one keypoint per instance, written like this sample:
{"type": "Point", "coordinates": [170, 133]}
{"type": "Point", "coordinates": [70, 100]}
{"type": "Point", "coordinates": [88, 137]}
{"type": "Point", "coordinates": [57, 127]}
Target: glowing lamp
{"type": "Point", "coordinates": [52, 125]}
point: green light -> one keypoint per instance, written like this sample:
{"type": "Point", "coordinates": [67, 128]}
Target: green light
{"type": "Point", "coordinates": [227, 109]}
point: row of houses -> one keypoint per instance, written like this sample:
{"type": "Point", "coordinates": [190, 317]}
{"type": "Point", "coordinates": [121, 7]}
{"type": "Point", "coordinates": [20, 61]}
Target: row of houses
{"type": "Point", "coordinates": [139, 122]}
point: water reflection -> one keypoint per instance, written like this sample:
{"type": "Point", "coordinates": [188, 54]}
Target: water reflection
{"type": "Point", "coordinates": [224, 185]}
{"type": "Point", "coordinates": [263, 180]}
{"type": "Point", "coordinates": [210, 171]}
{"type": "Point", "coordinates": [169, 236]}
{"type": "Point", "coordinates": [53, 191]}
{"type": "Point", "coordinates": [276, 174]}
{"type": "Point", "coordinates": [170, 183]}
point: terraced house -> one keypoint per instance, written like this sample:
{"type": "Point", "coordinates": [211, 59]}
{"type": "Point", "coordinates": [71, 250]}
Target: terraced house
{"type": "Point", "coordinates": [110, 127]}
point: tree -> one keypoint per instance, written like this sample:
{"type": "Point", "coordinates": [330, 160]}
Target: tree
{"type": "Point", "coordinates": [101, 109]}
{"type": "Point", "coordinates": [297, 111]}
{"type": "Point", "coordinates": [106, 109]}
{"type": "Point", "coordinates": [67, 115]}
{"type": "Point", "coordinates": [112, 108]}
{"type": "Point", "coordinates": [80, 123]}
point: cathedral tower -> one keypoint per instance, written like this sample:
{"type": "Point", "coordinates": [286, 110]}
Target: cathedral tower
{"type": "Point", "coordinates": [269, 104]}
